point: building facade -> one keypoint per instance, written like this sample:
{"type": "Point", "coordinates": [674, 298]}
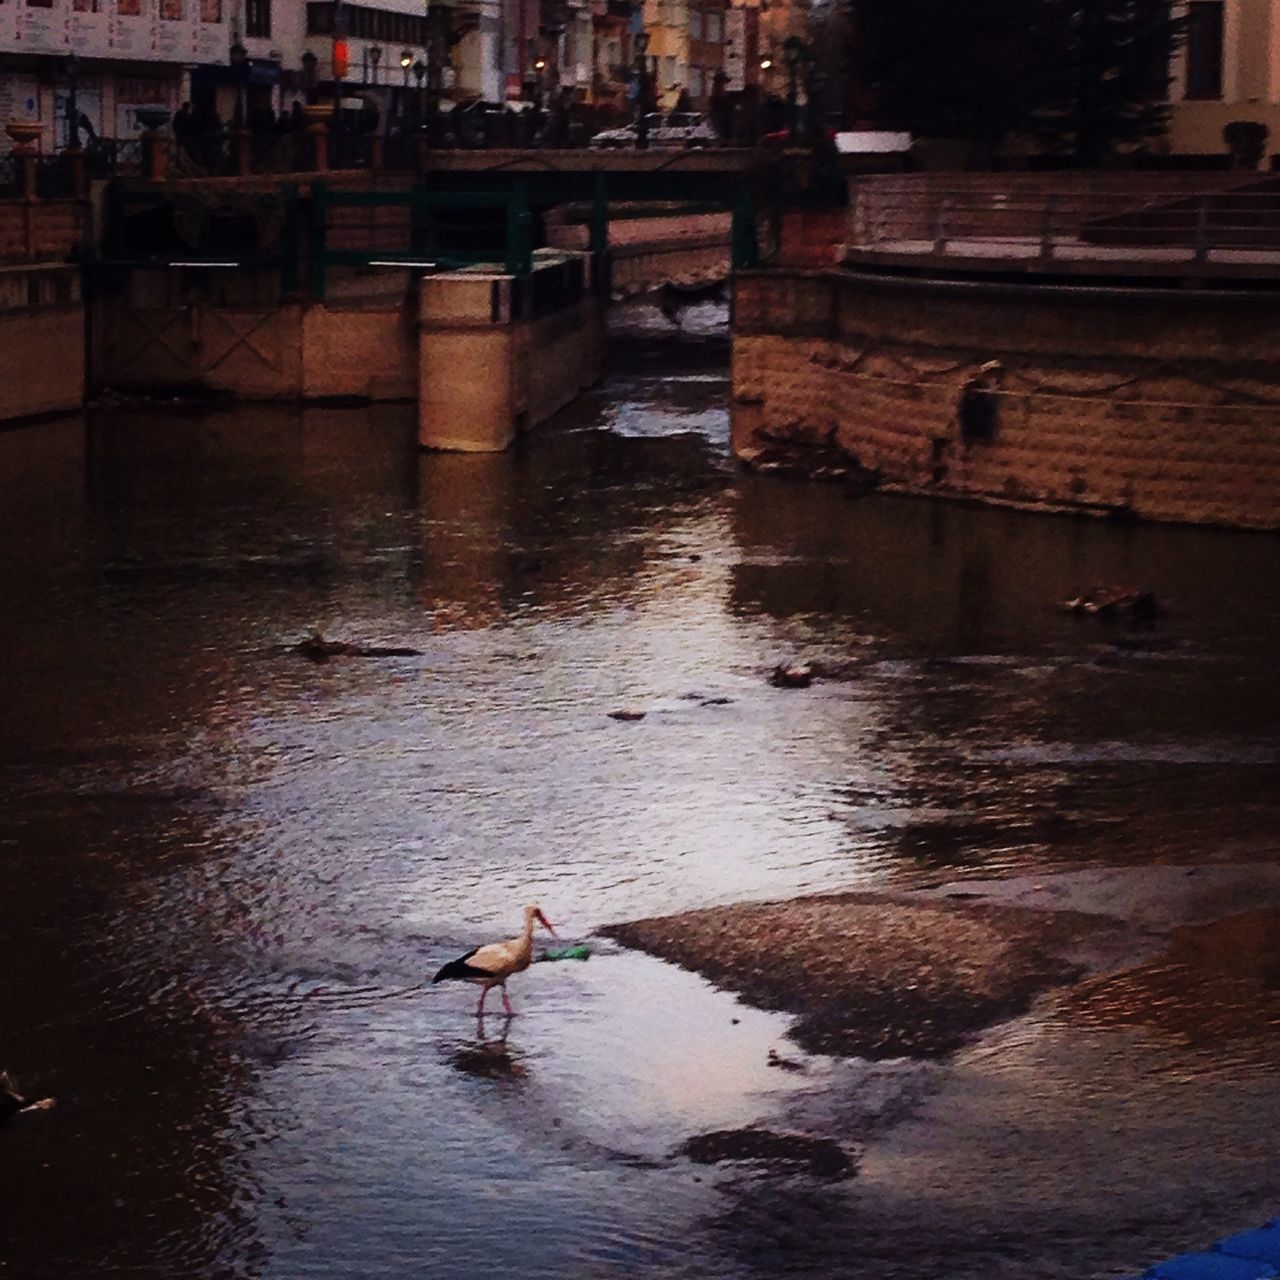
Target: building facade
{"type": "Point", "coordinates": [120, 55]}
{"type": "Point", "coordinates": [1228, 68]}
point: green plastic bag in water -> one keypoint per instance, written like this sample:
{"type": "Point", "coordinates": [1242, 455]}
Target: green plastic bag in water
{"type": "Point", "coordinates": [579, 951]}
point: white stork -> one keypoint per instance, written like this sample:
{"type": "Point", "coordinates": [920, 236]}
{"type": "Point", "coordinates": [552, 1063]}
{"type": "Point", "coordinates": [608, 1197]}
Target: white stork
{"type": "Point", "coordinates": [491, 965]}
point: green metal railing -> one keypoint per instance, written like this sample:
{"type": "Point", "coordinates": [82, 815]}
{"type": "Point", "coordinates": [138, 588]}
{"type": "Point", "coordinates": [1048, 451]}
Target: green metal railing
{"type": "Point", "coordinates": [516, 257]}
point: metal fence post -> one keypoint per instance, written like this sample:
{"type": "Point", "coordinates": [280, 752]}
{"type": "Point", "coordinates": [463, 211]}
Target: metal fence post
{"type": "Point", "coordinates": [1202, 230]}
{"type": "Point", "coordinates": [319, 230]}
{"type": "Point", "coordinates": [519, 251]}
{"type": "Point", "coordinates": [940, 225]}
{"type": "Point", "coordinates": [1046, 229]}
{"type": "Point", "coordinates": [746, 247]}
{"type": "Point", "coordinates": [599, 216]}
{"type": "Point", "coordinates": [289, 241]}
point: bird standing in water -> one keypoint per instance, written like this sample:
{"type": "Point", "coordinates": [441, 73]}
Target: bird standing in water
{"type": "Point", "coordinates": [491, 965]}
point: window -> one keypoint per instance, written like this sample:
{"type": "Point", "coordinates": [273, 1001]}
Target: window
{"type": "Point", "coordinates": [39, 4]}
{"type": "Point", "coordinates": [210, 10]}
{"type": "Point", "coordinates": [715, 28]}
{"type": "Point", "coordinates": [171, 10]}
{"type": "Point", "coordinates": [257, 19]}
{"type": "Point", "coordinates": [695, 24]}
{"type": "Point", "coordinates": [129, 9]}
{"type": "Point", "coordinates": [1204, 49]}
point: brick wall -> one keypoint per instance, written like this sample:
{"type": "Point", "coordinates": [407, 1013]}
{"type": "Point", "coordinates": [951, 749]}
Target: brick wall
{"type": "Point", "coordinates": [40, 230]}
{"type": "Point", "coordinates": [810, 238]}
{"type": "Point", "coordinates": [1164, 406]}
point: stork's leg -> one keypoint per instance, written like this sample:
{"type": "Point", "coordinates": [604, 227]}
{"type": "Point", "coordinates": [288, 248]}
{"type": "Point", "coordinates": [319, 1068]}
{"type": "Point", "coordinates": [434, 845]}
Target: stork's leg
{"type": "Point", "coordinates": [484, 991]}
{"type": "Point", "coordinates": [506, 1004]}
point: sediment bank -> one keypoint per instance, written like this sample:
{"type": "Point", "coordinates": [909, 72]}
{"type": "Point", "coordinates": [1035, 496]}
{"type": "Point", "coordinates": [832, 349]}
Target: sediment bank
{"type": "Point", "coordinates": [920, 974]}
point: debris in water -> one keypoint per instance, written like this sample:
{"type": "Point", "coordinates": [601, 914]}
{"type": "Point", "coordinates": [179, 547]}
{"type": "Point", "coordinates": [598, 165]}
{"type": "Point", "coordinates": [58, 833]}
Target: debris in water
{"type": "Point", "coordinates": [1130, 604]}
{"type": "Point", "coordinates": [579, 951]}
{"type": "Point", "coordinates": [626, 713]}
{"type": "Point", "coordinates": [796, 676]}
{"type": "Point", "coordinates": [822, 1157]}
{"type": "Point", "coordinates": [315, 648]}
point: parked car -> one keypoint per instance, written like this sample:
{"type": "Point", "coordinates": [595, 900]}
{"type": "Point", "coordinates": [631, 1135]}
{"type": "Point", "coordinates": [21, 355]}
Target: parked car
{"type": "Point", "coordinates": [679, 129]}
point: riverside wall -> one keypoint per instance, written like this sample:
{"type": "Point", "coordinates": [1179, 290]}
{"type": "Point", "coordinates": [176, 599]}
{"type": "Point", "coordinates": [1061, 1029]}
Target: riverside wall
{"type": "Point", "coordinates": [1160, 404]}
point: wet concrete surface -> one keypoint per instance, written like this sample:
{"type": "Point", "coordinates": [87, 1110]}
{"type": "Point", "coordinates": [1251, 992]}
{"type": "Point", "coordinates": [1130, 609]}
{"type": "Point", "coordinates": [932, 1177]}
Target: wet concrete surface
{"type": "Point", "coordinates": [228, 872]}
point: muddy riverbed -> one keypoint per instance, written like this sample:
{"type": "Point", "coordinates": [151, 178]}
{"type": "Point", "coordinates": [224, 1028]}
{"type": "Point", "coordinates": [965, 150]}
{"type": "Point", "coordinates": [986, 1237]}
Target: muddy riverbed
{"type": "Point", "coordinates": [229, 871]}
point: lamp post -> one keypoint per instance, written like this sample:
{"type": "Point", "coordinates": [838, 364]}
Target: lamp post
{"type": "Point", "coordinates": [240, 64]}
{"type": "Point", "coordinates": [406, 61]}
{"type": "Point", "coordinates": [375, 57]}
{"type": "Point", "coordinates": [240, 156]}
{"type": "Point", "coordinates": [793, 54]}
{"type": "Point", "coordinates": [640, 44]}
{"type": "Point", "coordinates": [73, 106]}
{"type": "Point", "coordinates": [309, 61]}
{"type": "Point", "coordinates": [419, 74]}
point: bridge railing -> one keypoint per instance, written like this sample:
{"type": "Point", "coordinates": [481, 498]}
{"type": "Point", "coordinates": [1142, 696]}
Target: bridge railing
{"type": "Point", "coordinates": [1173, 217]}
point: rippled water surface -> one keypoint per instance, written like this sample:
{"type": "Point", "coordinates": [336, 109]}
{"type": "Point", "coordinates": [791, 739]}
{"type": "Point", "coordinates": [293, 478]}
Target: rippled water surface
{"type": "Point", "coordinates": [228, 871]}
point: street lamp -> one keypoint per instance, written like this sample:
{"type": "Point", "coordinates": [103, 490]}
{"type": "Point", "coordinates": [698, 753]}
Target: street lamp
{"type": "Point", "coordinates": [419, 74]}
{"type": "Point", "coordinates": [406, 61]}
{"type": "Point", "coordinates": [793, 54]}
{"type": "Point", "coordinates": [240, 63]}
{"type": "Point", "coordinates": [640, 43]}
{"type": "Point", "coordinates": [309, 61]}
{"type": "Point", "coordinates": [73, 106]}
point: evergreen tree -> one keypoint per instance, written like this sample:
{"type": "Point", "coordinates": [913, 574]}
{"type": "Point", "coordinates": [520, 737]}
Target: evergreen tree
{"type": "Point", "coordinates": [956, 69]}
{"type": "Point", "coordinates": [1108, 86]}
{"type": "Point", "coordinates": [1084, 76]}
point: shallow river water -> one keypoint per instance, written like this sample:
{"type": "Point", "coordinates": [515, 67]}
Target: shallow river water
{"type": "Point", "coordinates": [227, 873]}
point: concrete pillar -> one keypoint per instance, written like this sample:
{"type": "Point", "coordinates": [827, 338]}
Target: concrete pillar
{"type": "Point", "coordinates": [27, 171]}
{"type": "Point", "coordinates": [155, 155]}
{"type": "Point", "coordinates": [79, 175]}
{"type": "Point", "coordinates": [317, 116]}
{"type": "Point", "coordinates": [466, 363]}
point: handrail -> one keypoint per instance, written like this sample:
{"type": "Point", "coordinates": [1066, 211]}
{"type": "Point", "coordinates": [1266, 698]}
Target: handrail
{"type": "Point", "coordinates": [1025, 215]}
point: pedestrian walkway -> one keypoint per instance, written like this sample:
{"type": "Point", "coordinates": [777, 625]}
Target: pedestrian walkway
{"type": "Point", "coordinates": [1249, 1255]}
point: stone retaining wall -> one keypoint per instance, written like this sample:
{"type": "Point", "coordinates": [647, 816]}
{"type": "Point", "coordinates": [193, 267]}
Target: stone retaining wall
{"type": "Point", "coordinates": [1164, 405]}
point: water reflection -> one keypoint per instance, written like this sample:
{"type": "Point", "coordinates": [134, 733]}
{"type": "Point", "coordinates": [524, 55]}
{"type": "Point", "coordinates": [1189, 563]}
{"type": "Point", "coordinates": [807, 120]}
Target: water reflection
{"type": "Point", "coordinates": [488, 1057]}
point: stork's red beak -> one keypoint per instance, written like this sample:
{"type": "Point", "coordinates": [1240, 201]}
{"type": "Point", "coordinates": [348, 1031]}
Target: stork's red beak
{"type": "Point", "coordinates": [546, 924]}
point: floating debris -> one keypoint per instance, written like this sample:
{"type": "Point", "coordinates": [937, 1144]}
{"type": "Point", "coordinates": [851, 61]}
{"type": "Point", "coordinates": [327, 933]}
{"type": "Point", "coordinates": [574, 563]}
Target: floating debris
{"type": "Point", "coordinates": [579, 951]}
{"type": "Point", "coordinates": [822, 1157]}
{"type": "Point", "coordinates": [627, 713]}
{"type": "Point", "coordinates": [1131, 604]}
{"type": "Point", "coordinates": [315, 648]}
{"type": "Point", "coordinates": [796, 676]}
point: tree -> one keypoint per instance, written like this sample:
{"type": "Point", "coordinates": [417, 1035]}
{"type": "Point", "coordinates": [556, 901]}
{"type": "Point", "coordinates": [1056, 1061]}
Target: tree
{"type": "Point", "coordinates": [1108, 85]}
{"type": "Point", "coordinates": [1083, 76]}
{"type": "Point", "coordinates": [950, 70]}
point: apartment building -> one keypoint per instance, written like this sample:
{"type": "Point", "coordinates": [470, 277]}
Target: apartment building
{"type": "Point", "coordinates": [123, 55]}
{"type": "Point", "coordinates": [1227, 69]}
{"type": "Point", "coordinates": [686, 47]}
